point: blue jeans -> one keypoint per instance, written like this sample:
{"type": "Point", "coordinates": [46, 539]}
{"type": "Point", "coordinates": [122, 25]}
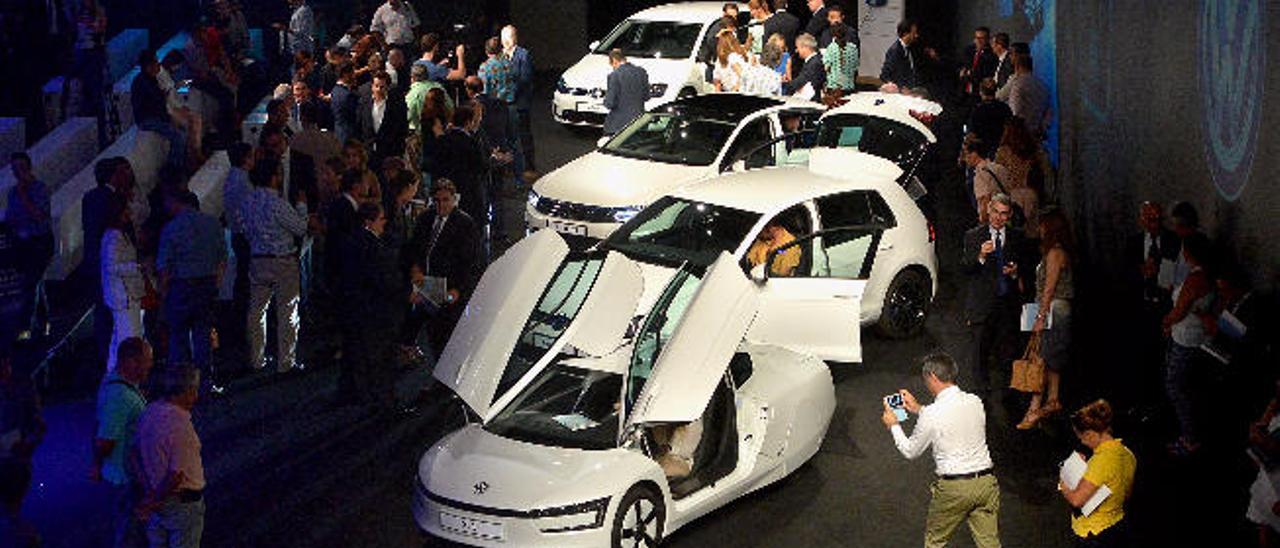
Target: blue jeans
{"type": "Point", "coordinates": [128, 530]}
{"type": "Point", "coordinates": [176, 525]}
{"type": "Point", "coordinates": [189, 310]}
{"type": "Point", "coordinates": [1179, 363]}
{"type": "Point", "coordinates": [177, 142]}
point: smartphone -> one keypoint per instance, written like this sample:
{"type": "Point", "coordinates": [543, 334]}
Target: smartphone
{"type": "Point", "coordinates": [894, 401]}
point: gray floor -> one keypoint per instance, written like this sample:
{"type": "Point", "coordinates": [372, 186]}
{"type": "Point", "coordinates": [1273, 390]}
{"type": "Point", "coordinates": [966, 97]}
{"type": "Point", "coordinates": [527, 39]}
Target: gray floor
{"type": "Point", "coordinates": [288, 467]}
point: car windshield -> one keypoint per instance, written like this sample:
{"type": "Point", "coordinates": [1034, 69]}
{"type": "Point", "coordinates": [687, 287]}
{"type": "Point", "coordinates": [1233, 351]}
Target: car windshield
{"type": "Point", "coordinates": [652, 39]}
{"type": "Point", "coordinates": [893, 141]}
{"type": "Point", "coordinates": [557, 308]}
{"type": "Point", "coordinates": [672, 136]}
{"type": "Point", "coordinates": [564, 406]}
{"type": "Point", "coordinates": [675, 230]}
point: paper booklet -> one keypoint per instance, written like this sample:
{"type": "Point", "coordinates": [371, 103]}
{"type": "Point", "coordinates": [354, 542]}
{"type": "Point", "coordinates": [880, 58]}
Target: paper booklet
{"type": "Point", "coordinates": [435, 289]}
{"type": "Point", "coordinates": [1164, 278]}
{"type": "Point", "coordinates": [1029, 313]}
{"type": "Point", "coordinates": [1231, 326]}
{"type": "Point", "coordinates": [1071, 472]}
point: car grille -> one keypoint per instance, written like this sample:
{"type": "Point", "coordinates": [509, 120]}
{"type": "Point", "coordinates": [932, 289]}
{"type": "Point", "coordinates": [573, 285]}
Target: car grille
{"type": "Point", "coordinates": [574, 212]}
{"type": "Point", "coordinates": [581, 117]}
{"type": "Point", "coordinates": [598, 93]}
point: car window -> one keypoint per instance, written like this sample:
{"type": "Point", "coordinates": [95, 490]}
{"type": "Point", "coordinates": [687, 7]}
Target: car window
{"type": "Point", "coordinates": [658, 328]}
{"type": "Point", "coordinates": [671, 136]}
{"type": "Point", "coordinates": [556, 309]}
{"type": "Point", "coordinates": [675, 230]}
{"type": "Point", "coordinates": [846, 253]}
{"type": "Point", "coordinates": [749, 140]}
{"type": "Point", "coordinates": [857, 208]}
{"type": "Point", "coordinates": [893, 141]}
{"type": "Point", "coordinates": [801, 130]}
{"type": "Point", "coordinates": [785, 227]}
{"type": "Point", "coordinates": [652, 39]}
{"type": "Point", "coordinates": [564, 406]}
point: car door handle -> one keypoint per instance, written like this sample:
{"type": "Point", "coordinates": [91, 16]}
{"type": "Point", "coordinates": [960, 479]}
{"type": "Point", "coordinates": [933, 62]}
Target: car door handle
{"type": "Point", "coordinates": [886, 247]}
{"type": "Point", "coordinates": [844, 297]}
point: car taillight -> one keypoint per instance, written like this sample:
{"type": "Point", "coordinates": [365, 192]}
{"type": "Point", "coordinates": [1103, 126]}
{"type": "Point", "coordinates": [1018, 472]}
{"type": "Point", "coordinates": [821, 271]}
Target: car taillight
{"type": "Point", "coordinates": [933, 233]}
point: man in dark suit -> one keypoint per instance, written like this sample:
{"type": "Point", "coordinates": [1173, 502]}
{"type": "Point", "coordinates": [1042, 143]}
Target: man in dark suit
{"type": "Point", "coordinates": [384, 121]}
{"type": "Point", "coordinates": [343, 102]}
{"type": "Point", "coordinates": [784, 23]}
{"type": "Point", "coordinates": [992, 258]}
{"type": "Point", "coordinates": [1004, 61]}
{"type": "Point", "coordinates": [446, 245]}
{"type": "Point", "coordinates": [978, 61]}
{"type": "Point", "coordinates": [371, 297]}
{"type": "Point", "coordinates": [818, 23]}
{"type": "Point", "coordinates": [461, 158]}
{"type": "Point", "coordinates": [1144, 252]}
{"type": "Point", "coordinates": [811, 72]}
{"type": "Point", "coordinates": [899, 63]}
{"type": "Point", "coordinates": [625, 93]}
{"type": "Point", "coordinates": [115, 185]}
{"type": "Point", "coordinates": [988, 118]}
{"type": "Point", "coordinates": [835, 16]}
{"type": "Point", "coordinates": [341, 221]}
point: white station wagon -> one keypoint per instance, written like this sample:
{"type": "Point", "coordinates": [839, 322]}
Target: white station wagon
{"type": "Point", "coordinates": [666, 41]}
{"type": "Point", "coordinates": [571, 361]}
{"type": "Point", "coordinates": [676, 144]}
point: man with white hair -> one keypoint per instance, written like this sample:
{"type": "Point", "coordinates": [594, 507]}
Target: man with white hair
{"type": "Point", "coordinates": [169, 451]}
{"type": "Point", "coordinates": [813, 75]}
{"type": "Point", "coordinates": [522, 71]}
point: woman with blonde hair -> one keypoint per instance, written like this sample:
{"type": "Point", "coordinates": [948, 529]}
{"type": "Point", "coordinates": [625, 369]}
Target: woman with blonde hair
{"type": "Point", "coordinates": [356, 157]}
{"type": "Point", "coordinates": [730, 61]}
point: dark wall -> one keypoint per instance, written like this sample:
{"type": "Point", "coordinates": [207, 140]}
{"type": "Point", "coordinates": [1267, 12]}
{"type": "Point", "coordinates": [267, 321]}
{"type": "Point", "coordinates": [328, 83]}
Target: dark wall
{"type": "Point", "coordinates": [1169, 100]}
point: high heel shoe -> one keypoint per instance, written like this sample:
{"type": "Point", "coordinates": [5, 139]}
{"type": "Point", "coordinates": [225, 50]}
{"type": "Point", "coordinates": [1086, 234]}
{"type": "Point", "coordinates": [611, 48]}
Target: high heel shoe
{"type": "Point", "coordinates": [1050, 408]}
{"type": "Point", "coordinates": [1029, 421]}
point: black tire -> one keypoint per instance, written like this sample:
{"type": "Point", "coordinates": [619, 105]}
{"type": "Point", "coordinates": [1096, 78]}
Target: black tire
{"type": "Point", "coordinates": [640, 506]}
{"type": "Point", "coordinates": [906, 305]}
{"type": "Point", "coordinates": [686, 93]}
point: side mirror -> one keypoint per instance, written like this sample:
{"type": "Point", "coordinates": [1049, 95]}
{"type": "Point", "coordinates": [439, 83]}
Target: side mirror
{"type": "Point", "coordinates": [602, 140]}
{"type": "Point", "coordinates": [592, 46]}
{"type": "Point", "coordinates": [758, 274]}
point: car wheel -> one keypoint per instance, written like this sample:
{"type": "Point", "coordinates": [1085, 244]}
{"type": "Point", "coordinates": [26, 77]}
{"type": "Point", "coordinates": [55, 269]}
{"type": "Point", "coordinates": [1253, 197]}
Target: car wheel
{"type": "Point", "coordinates": [686, 93]}
{"type": "Point", "coordinates": [639, 520]}
{"type": "Point", "coordinates": [906, 305]}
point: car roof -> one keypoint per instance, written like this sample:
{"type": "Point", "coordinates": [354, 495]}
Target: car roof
{"type": "Point", "coordinates": [699, 12]}
{"type": "Point", "coordinates": [770, 190]}
{"type": "Point", "coordinates": [890, 106]}
{"type": "Point", "coordinates": [734, 107]}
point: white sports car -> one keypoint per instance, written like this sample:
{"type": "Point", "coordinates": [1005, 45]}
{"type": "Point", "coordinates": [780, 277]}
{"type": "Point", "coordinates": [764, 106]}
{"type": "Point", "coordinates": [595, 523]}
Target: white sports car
{"type": "Point", "coordinates": [671, 146]}
{"type": "Point", "coordinates": [667, 41]}
{"type": "Point", "coordinates": [572, 361]}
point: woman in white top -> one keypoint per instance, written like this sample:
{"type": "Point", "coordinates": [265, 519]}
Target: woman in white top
{"type": "Point", "coordinates": [730, 62]}
{"type": "Point", "coordinates": [1184, 325]}
{"type": "Point", "coordinates": [122, 283]}
{"type": "Point", "coordinates": [760, 78]}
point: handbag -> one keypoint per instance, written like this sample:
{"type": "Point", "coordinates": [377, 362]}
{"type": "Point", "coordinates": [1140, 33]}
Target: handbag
{"type": "Point", "coordinates": [1028, 372]}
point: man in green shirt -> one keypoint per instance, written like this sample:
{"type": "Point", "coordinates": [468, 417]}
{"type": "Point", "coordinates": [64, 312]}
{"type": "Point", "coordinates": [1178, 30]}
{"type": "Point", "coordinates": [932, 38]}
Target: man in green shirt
{"type": "Point", "coordinates": [417, 96]}
{"type": "Point", "coordinates": [120, 403]}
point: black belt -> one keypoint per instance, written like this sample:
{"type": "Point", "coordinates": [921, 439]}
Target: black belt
{"type": "Point", "coordinates": [190, 495]}
{"type": "Point", "coordinates": [970, 475]}
{"type": "Point", "coordinates": [270, 256]}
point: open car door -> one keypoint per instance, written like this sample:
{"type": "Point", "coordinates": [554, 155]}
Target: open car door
{"type": "Point", "coordinates": [812, 288]}
{"type": "Point", "coordinates": [672, 380]}
{"type": "Point", "coordinates": [529, 306]}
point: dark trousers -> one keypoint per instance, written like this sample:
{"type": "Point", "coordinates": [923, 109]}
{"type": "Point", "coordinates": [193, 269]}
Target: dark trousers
{"type": "Point", "coordinates": [368, 367]}
{"type": "Point", "coordinates": [239, 291]}
{"type": "Point", "coordinates": [995, 341]}
{"type": "Point", "coordinates": [1116, 536]}
{"type": "Point", "coordinates": [440, 326]}
{"type": "Point", "coordinates": [526, 138]}
{"type": "Point", "coordinates": [225, 124]}
{"type": "Point", "coordinates": [33, 257]}
{"type": "Point", "coordinates": [188, 306]}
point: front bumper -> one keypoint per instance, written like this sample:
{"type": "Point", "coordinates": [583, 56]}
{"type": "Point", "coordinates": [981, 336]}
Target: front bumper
{"type": "Point", "coordinates": [512, 527]}
{"type": "Point", "coordinates": [571, 229]}
{"type": "Point", "coordinates": [581, 109]}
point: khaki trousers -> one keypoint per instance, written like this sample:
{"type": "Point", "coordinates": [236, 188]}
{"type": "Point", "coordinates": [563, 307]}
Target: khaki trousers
{"type": "Point", "coordinates": [976, 501]}
{"type": "Point", "coordinates": [273, 277]}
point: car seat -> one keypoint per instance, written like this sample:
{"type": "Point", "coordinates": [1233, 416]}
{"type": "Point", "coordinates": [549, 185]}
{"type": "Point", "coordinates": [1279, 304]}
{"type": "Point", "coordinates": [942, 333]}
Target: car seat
{"type": "Point", "coordinates": [717, 452]}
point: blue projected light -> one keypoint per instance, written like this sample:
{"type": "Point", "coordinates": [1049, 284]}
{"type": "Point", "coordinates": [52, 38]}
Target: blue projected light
{"type": "Point", "coordinates": [1232, 80]}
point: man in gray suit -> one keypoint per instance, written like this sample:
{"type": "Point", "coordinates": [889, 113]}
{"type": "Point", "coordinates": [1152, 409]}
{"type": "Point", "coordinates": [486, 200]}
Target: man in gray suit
{"type": "Point", "coordinates": [625, 92]}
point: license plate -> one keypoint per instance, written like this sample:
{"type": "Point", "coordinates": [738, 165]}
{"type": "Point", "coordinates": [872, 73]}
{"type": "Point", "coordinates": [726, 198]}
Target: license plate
{"type": "Point", "coordinates": [592, 107]}
{"type": "Point", "coordinates": [573, 229]}
{"type": "Point", "coordinates": [472, 527]}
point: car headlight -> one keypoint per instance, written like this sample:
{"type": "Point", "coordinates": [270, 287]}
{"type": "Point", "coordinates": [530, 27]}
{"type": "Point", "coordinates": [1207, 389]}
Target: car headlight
{"type": "Point", "coordinates": [657, 90]}
{"type": "Point", "coordinates": [574, 517]}
{"type": "Point", "coordinates": [533, 199]}
{"type": "Point", "coordinates": [561, 86]}
{"type": "Point", "coordinates": [624, 214]}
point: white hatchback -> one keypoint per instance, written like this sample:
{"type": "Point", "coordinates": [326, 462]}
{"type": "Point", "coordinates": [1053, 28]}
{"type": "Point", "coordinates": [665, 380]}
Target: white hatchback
{"type": "Point", "coordinates": [666, 41]}
{"type": "Point", "coordinates": [571, 363]}
{"type": "Point", "coordinates": [671, 146]}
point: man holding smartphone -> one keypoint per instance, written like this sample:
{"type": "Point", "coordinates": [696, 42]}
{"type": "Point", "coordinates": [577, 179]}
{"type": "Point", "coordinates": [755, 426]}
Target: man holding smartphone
{"type": "Point", "coordinates": [955, 426]}
{"type": "Point", "coordinates": [991, 259]}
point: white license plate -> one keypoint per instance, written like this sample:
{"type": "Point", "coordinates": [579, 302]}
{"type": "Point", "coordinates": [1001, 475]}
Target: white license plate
{"type": "Point", "coordinates": [471, 526]}
{"type": "Point", "coordinates": [592, 107]}
{"type": "Point", "coordinates": [568, 228]}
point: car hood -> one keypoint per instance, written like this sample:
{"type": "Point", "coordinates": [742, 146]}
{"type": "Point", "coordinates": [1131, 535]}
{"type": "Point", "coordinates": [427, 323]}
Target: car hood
{"type": "Point", "coordinates": [592, 71]}
{"type": "Point", "coordinates": [517, 475]}
{"type": "Point", "coordinates": [607, 180]}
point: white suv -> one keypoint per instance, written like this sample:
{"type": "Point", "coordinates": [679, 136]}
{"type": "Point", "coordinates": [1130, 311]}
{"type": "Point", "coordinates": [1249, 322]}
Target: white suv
{"type": "Point", "coordinates": [666, 41]}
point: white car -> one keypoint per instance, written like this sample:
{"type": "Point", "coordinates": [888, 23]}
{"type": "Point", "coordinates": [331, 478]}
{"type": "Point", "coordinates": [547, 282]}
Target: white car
{"type": "Point", "coordinates": [851, 220]}
{"type": "Point", "coordinates": [568, 384]}
{"type": "Point", "coordinates": [667, 41]}
{"type": "Point", "coordinates": [671, 146]}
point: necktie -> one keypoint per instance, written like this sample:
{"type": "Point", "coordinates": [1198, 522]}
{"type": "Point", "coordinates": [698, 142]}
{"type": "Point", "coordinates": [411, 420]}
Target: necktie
{"type": "Point", "coordinates": [1002, 281]}
{"type": "Point", "coordinates": [1153, 250]}
{"type": "Point", "coordinates": [435, 235]}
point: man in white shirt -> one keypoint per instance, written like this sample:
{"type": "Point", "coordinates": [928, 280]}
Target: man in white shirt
{"type": "Point", "coordinates": [955, 426]}
{"type": "Point", "coordinates": [396, 20]}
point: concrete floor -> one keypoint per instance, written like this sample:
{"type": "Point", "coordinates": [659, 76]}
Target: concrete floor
{"type": "Point", "coordinates": [288, 467]}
